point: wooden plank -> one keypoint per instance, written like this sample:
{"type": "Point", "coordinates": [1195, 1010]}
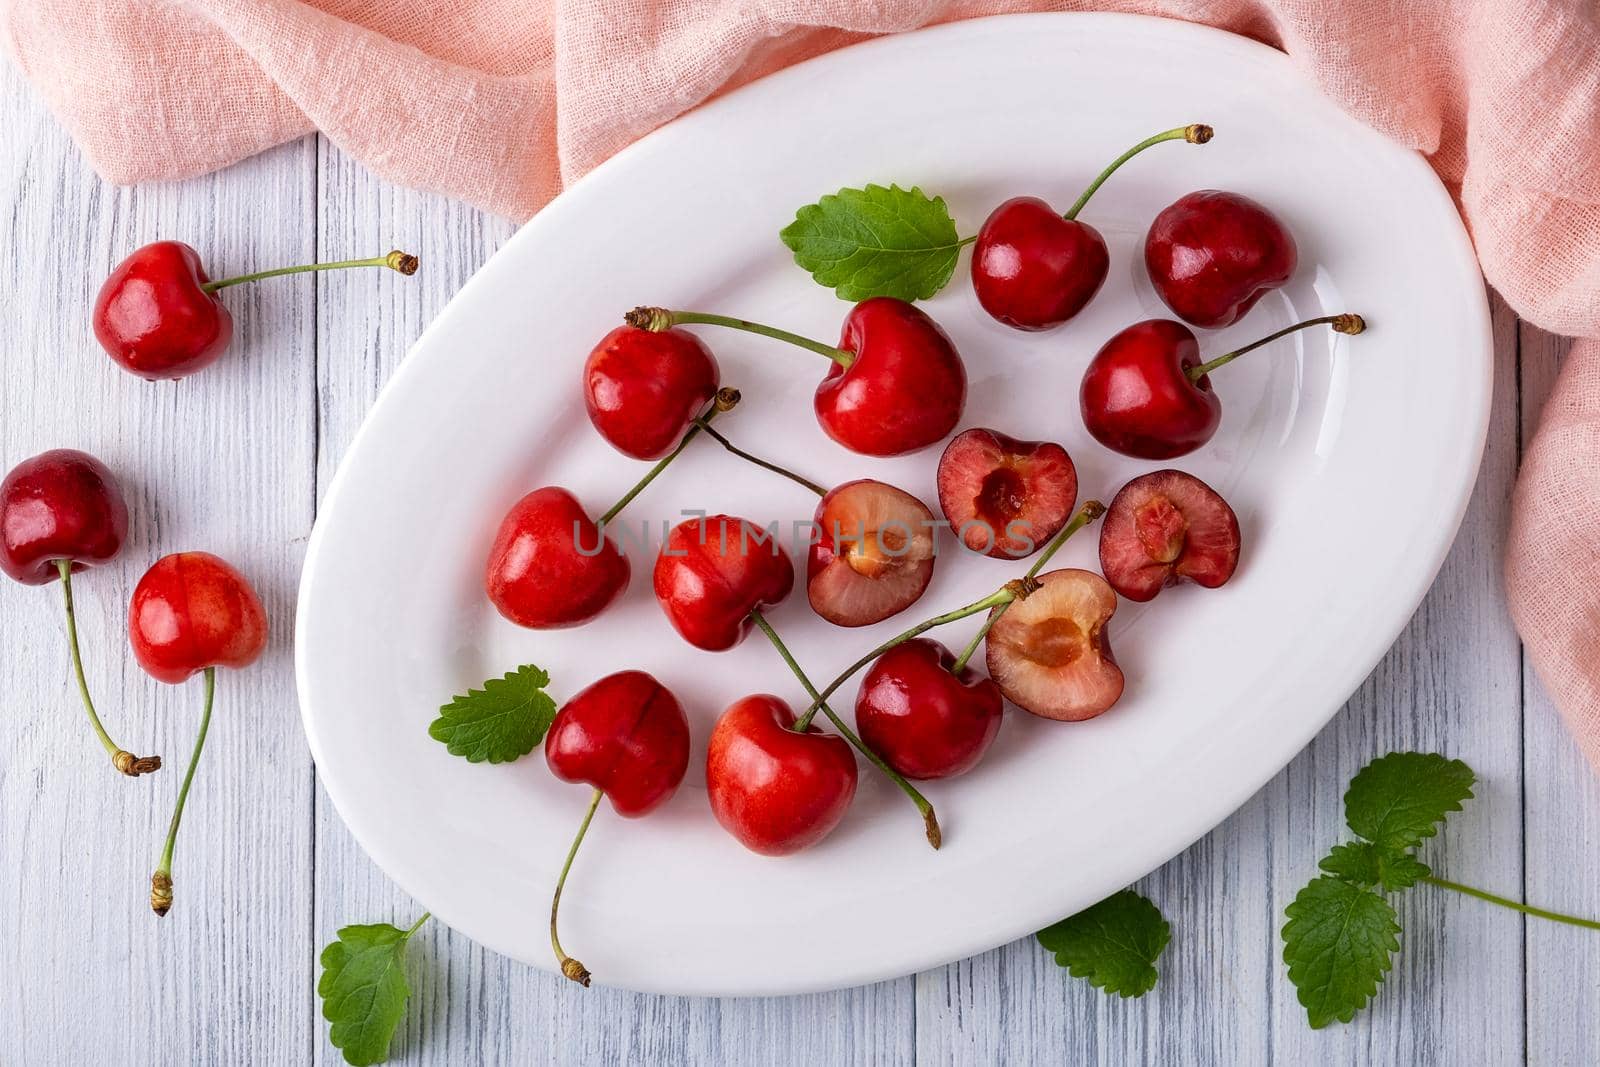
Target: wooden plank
{"type": "Point", "coordinates": [1561, 826]}
{"type": "Point", "coordinates": [472, 1006]}
{"type": "Point", "coordinates": [223, 462]}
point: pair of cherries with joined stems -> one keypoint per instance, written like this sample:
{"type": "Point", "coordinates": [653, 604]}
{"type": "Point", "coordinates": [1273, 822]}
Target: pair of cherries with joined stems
{"type": "Point", "coordinates": [62, 512]}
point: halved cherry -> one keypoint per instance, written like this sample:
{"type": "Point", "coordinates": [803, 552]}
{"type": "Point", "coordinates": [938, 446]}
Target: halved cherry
{"type": "Point", "coordinates": [874, 556]}
{"type": "Point", "coordinates": [1049, 652]}
{"type": "Point", "coordinates": [1167, 527]}
{"type": "Point", "coordinates": [1005, 497]}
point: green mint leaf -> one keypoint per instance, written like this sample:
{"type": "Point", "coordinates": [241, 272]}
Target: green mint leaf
{"type": "Point", "coordinates": [1366, 864]}
{"type": "Point", "coordinates": [876, 242]}
{"type": "Point", "coordinates": [1114, 944]}
{"type": "Point", "coordinates": [363, 990]}
{"type": "Point", "coordinates": [501, 722]}
{"type": "Point", "coordinates": [1398, 800]}
{"type": "Point", "coordinates": [1339, 943]}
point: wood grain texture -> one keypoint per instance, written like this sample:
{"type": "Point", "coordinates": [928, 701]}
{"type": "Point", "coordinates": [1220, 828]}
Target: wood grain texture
{"type": "Point", "coordinates": [235, 461]}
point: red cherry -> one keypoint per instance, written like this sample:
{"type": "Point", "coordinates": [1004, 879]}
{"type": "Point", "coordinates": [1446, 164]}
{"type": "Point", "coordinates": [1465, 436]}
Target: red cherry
{"type": "Point", "coordinates": [190, 611]}
{"type": "Point", "coordinates": [874, 555]}
{"type": "Point", "coordinates": [643, 389]}
{"type": "Point", "coordinates": [927, 719]}
{"type": "Point", "coordinates": [713, 572]}
{"type": "Point", "coordinates": [1034, 269]}
{"type": "Point", "coordinates": [158, 315]}
{"type": "Point", "coordinates": [1146, 393]}
{"type": "Point", "coordinates": [627, 736]}
{"type": "Point", "coordinates": [61, 504]}
{"type": "Point", "coordinates": [775, 789]}
{"type": "Point", "coordinates": [1164, 528]}
{"type": "Point", "coordinates": [1212, 255]}
{"type": "Point", "coordinates": [1004, 497]}
{"type": "Point", "coordinates": [551, 566]}
{"type": "Point", "coordinates": [1050, 654]}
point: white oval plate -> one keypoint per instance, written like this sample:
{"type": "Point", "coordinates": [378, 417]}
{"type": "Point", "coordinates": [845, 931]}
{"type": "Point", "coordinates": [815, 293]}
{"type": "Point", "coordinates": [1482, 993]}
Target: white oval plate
{"type": "Point", "coordinates": [1349, 461]}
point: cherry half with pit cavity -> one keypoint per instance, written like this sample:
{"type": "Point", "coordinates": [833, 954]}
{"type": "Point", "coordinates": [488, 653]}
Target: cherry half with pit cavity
{"type": "Point", "coordinates": [158, 315]}
{"type": "Point", "coordinates": [1211, 255]}
{"type": "Point", "coordinates": [925, 715]}
{"type": "Point", "coordinates": [1033, 268]}
{"type": "Point", "coordinates": [643, 390]}
{"type": "Point", "coordinates": [873, 553]}
{"type": "Point", "coordinates": [627, 736]}
{"type": "Point", "coordinates": [1049, 651]}
{"type": "Point", "coordinates": [1164, 528]}
{"type": "Point", "coordinates": [62, 512]}
{"type": "Point", "coordinates": [1003, 497]}
{"type": "Point", "coordinates": [1146, 393]}
{"type": "Point", "coordinates": [896, 383]}
{"type": "Point", "coordinates": [192, 612]}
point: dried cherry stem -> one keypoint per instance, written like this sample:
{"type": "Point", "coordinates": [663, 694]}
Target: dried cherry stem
{"type": "Point", "coordinates": [1015, 589]}
{"type": "Point", "coordinates": [1346, 323]}
{"type": "Point", "coordinates": [1506, 902]}
{"type": "Point", "coordinates": [1195, 133]}
{"type": "Point", "coordinates": [725, 400]}
{"type": "Point", "coordinates": [930, 821]}
{"type": "Point", "coordinates": [161, 881]}
{"type": "Point", "coordinates": [569, 966]}
{"type": "Point", "coordinates": [401, 262]}
{"type": "Point", "coordinates": [705, 424]}
{"type": "Point", "coordinates": [121, 759]}
{"type": "Point", "coordinates": [658, 319]}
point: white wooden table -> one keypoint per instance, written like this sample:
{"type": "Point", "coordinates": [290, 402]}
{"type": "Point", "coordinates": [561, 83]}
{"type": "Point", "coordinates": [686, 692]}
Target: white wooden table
{"type": "Point", "coordinates": [235, 460]}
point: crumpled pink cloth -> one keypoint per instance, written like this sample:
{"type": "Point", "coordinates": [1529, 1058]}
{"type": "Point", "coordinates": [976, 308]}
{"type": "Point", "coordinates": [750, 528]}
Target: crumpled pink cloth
{"type": "Point", "coordinates": [502, 102]}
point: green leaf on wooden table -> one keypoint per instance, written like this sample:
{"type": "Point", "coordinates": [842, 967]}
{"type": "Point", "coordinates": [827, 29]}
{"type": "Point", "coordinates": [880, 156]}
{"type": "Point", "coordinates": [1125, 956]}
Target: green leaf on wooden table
{"type": "Point", "coordinates": [876, 242]}
{"type": "Point", "coordinates": [363, 989]}
{"type": "Point", "coordinates": [1339, 943]}
{"type": "Point", "coordinates": [1114, 944]}
{"type": "Point", "coordinates": [1398, 800]}
{"type": "Point", "coordinates": [1364, 864]}
{"type": "Point", "coordinates": [501, 722]}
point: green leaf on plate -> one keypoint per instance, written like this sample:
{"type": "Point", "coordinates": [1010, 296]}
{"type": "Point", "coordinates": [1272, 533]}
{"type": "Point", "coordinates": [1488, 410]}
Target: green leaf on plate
{"type": "Point", "coordinates": [363, 989]}
{"type": "Point", "coordinates": [1114, 944]}
{"type": "Point", "coordinates": [1398, 800]}
{"type": "Point", "coordinates": [1339, 943]}
{"type": "Point", "coordinates": [876, 242]}
{"type": "Point", "coordinates": [501, 722]}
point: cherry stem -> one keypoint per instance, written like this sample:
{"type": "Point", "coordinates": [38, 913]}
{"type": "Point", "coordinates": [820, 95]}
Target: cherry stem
{"type": "Point", "coordinates": [705, 425]}
{"type": "Point", "coordinates": [161, 881]}
{"type": "Point", "coordinates": [725, 400]}
{"type": "Point", "coordinates": [930, 821]}
{"type": "Point", "coordinates": [121, 759]}
{"type": "Point", "coordinates": [1196, 133]}
{"type": "Point", "coordinates": [1506, 902]}
{"type": "Point", "coordinates": [658, 319]}
{"type": "Point", "coordinates": [402, 262]}
{"type": "Point", "coordinates": [569, 966]}
{"type": "Point", "coordinates": [1346, 323]}
{"type": "Point", "coordinates": [1012, 590]}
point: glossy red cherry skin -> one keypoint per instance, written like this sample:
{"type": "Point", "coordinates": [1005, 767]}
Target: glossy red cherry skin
{"type": "Point", "coordinates": [1033, 269]}
{"type": "Point", "coordinates": [61, 504]}
{"type": "Point", "coordinates": [154, 319]}
{"type": "Point", "coordinates": [924, 719]}
{"type": "Point", "coordinates": [642, 389]}
{"type": "Point", "coordinates": [775, 790]}
{"type": "Point", "coordinates": [550, 566]}
{"type": "Point", "coordinates": [1137, 398]}
{"type": "Point", "coordinates": [713, 572]}
{"type": "Point", "coordinates": [905, 387]}
{"type": "Point", "coordinates": [190, 611]}
{"type": "Point", "coordinates": [627, 736]}
{"type": "Point", "coordinates": [1212, 255]}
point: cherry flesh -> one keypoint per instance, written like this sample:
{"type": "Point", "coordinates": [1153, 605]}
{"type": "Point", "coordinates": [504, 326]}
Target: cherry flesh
{"type": "Point", "coordinates": [1049, 652]}
{"type": "Point", "coordinates": [61, 504]}
{"type": "Point", "coordinates": [1211, 255]}
{"type": "Point", "coordinates": [1034, 268]}
{"type": "Point", "coordinates": [1164, 528]}
{"type": "Point", "coordinates": [924, 716]}
{"type": "Point", "coordinates": [1003, 497]}
{"type": "Point", "coordinates": [643, 389]}
{"type": "Point", "coordinates": [551, 565]}
{"type": "Point", "coordinates": [874, 555]}
{"type": "Point", "coordinates": [775, 789]}
{"type": "Point", "coordinates": [713, 572]}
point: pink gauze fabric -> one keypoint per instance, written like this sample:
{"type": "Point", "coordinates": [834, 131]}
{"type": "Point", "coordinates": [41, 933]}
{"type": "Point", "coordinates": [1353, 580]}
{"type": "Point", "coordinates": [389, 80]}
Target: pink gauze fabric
{"type": "Point", "coordinates": [502, 102]}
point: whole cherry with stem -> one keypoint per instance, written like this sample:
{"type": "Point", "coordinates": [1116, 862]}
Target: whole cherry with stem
{"type": "Point", "coordinates": [1147, 394]}
{"type": "Point", "coordinates": [643, 390]}
{"type": "Point", "coordinates": [551, 566]}
{"type": "Point", "coordinates": [62, 512]}
{"type": "Point", "coordinates": [627, 736]}
{"type": "Point", "coordinates": [158, 315]}
{"type": "Point", "coordinates": [1033, 268]}
{"type": "Point", "coordinates": [895, 383]}
{"type": "Point", "coordinates": [192, 612]}
{"type": "Point", "coordinates": [926, 718]}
